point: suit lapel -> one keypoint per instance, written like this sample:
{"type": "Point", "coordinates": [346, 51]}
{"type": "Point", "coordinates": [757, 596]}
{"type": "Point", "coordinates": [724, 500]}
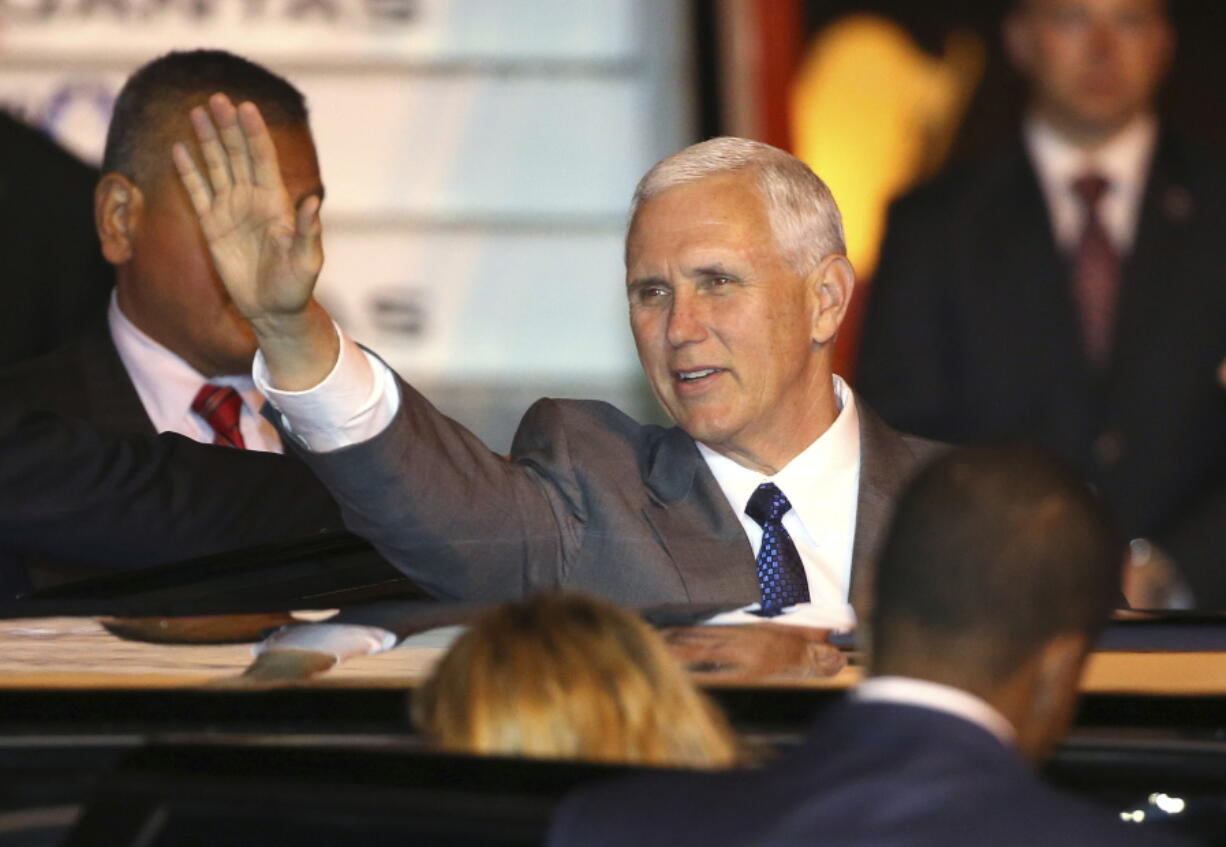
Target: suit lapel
{"type": "Point", "coordinates": [1020, 263]}
{"type": "Point", "coordinates": [109, 393]}
{"type": "Point", "coordinates": [1157, 269]}
{"type": "Point", "coordinates": [886, 463]}
{"type": "Point", "coordinates": [691, 519]}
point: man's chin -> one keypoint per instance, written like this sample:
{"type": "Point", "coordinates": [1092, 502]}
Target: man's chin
{"type": "Point", "coordinates": [708, 432]}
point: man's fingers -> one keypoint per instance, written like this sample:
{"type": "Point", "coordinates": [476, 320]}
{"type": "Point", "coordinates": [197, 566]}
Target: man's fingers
{"type": "Point", "coordinates": [267, 172]}
{"type": "Point", "coordinates": [232, 138]}
{"type": "Point", "coordinates": [307, 232]}
{"type": "Point", "coordinates": [210, 148]}
{"type": "Point", "coordinates": [192, 179]}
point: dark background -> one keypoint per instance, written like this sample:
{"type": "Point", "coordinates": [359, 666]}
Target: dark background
{"type": "Point", "coordinates": [1193, 98]}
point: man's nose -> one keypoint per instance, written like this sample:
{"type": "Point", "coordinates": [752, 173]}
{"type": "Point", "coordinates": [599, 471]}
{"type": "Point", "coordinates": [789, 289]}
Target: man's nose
{"type": "Point", "coordinates": [1104, 39]}
{"type": "Point", "coordinates": [685, 320]}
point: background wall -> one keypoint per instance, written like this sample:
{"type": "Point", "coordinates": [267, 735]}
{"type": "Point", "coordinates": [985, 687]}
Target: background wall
{"type": "Point", "coordinates": [479, 156]}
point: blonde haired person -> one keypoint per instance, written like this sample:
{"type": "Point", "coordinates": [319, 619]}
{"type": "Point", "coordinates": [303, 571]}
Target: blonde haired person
{"type": "Point", "coordinates": [571, 677]}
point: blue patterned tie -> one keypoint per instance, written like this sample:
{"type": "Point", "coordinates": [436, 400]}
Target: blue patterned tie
{"type": "Point", "coordinates": [780, 572]}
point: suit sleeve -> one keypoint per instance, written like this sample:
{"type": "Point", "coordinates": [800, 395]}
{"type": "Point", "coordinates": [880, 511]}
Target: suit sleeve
{"type": "Point", "coordinates": [905, 370]}
{"type": "Point", "coordinates": [70, 492]}
{"type": "Point", "coordinates": [460, 520]}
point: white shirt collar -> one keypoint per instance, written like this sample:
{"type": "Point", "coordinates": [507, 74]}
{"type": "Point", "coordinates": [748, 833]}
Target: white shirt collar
{"type": "Point", "coordinates": [942, 698]}
{"type": "Point", "coordinates": [1123, 160]}
{"type": "Point", "coordinates": [166, 383]}
{"type": "Point", "coordinates": [805, 479]}
{"type": "Point", "coordinates": [822, 483]}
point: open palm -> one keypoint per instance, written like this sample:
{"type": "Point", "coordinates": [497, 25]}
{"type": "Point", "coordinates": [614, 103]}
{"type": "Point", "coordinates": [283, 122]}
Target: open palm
{"type": "Point", "coordinates": [267, 253]}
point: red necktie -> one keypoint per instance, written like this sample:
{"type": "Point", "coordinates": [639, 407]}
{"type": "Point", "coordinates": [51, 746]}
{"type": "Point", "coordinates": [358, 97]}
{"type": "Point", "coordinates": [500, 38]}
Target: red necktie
{"type": "Point", "coordinates": [221, 407]}
{"type": "Point", "coordinates": [1096, 273]}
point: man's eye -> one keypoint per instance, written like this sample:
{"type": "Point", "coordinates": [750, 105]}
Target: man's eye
{"type": "Point", "coordinates": [649, 293]}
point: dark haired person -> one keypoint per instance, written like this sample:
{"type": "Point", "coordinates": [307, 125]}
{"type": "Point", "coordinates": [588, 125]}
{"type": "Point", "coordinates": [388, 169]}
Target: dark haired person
{"type": "Point", "coordinates": [996, 574]}
{"type": "Point", "coordinates": [173, 354]}
{"type": "Point", "coordinates": [1070, 288]}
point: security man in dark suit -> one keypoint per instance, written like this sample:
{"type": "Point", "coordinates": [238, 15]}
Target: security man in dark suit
{"type": "Point", "coordinates": [996, 574]}
{"type": "Point", "coordinates": [170, 354]}
{"type": "Point", "coordinates": [1071, 288]}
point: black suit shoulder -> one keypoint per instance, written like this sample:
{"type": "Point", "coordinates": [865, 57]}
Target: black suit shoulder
{"type": "Point", "coordinates": [964, 187]}
{"type": "Point", "coordinates": [83, 379]}
{"type": "Point", "coordinates": [56, 281]}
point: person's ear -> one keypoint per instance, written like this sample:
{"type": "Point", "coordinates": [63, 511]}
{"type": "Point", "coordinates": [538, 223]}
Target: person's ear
{"type": "Point", "coordinates": [117, 209]}
{"type": "Point", "coordinates": [832, 283]}
{"type": "Point", "coordinates": [1054, 693]}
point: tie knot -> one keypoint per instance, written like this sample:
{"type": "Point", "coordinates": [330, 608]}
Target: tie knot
{"type": "Point", "coordinates": [767, 505]}
{"type": "Point", "coordinates": [1090, 188]}
{"type": "Point", "coordinates": [220, 406]}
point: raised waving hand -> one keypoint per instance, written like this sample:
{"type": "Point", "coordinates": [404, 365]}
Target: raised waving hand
{"type": "Point", "coordinates": [267, 253]}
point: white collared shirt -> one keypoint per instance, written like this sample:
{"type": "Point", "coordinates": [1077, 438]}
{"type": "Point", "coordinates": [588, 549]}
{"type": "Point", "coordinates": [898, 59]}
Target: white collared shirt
{"type": "Point", "coordinates": [822, 483]}
{"type": "Point", "coordinates": [1123, 161]}
{"type": "Point", "coordinates": [167, 385]}
{"type": "Point", "coordinates": [942, 698]}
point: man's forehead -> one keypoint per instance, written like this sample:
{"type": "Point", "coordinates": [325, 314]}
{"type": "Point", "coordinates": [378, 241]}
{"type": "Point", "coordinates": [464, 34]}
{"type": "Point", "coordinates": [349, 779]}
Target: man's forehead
{"type": "Point", "coordinates": [293, 140]}
{"type": "Point", "coordinates": [731, 199]}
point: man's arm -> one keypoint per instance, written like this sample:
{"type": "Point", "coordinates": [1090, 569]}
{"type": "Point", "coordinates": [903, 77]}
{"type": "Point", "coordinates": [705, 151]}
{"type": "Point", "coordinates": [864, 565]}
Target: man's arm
{"type": "Point", "coordinates": [70, 492]}
{"type": "Point", "coordinates": [460, 520]}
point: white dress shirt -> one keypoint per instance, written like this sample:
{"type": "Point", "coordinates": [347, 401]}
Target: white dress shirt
{"type": "Point", "coordinates": [167, 385]}
{"type": "Point", "coordinates": [942, 698]}
{"type": "Point", "coordinates": [822, 483]}
{"type": "Point", "coordinates": [1123, 161]}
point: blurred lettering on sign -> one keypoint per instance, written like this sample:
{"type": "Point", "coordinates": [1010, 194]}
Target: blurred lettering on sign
{"type": "Point", "coordinates": [350, 11]}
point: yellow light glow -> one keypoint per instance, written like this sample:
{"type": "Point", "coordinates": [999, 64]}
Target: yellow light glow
{"type": "Point", "coordinates": [871, 113]}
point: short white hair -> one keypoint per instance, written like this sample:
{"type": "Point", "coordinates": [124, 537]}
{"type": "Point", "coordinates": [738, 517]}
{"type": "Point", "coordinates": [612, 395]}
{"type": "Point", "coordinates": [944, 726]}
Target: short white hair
{"type": "Point", "coordinates": [804, 218]}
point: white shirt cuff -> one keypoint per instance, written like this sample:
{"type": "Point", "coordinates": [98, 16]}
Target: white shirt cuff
{"type": "Point", "coordinates": [353, 403]}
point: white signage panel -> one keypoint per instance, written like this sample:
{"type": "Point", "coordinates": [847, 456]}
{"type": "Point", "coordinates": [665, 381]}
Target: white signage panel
{"type": "Point", "coordinates": [321, 31]}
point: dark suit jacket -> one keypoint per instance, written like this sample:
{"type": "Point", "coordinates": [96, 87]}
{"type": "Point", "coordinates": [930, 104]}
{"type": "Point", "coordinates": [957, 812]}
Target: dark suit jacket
{"type": "Point", "coordinates": [55, 279]}
{"type": "Point", "coordinates": [80, 496]}
{"type": "Point", "coordinates": [591, 500]}
{"type": "Point", "coordinates": [868, 774]}
{"type": "Point", "coordinates": [85, 380]}
{"type": "Point", "coordinates": [972, 331]}
{"type": "Point", "coordinates": [93, 488]}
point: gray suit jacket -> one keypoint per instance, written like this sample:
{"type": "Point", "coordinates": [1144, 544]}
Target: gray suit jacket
{"type": "Point", "coordinates": [589, 500]}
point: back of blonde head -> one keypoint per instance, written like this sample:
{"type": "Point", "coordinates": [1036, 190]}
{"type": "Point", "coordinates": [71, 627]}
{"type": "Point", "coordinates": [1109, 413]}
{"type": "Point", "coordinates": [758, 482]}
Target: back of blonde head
{"type": "Point", "coordinates": [569, 676]}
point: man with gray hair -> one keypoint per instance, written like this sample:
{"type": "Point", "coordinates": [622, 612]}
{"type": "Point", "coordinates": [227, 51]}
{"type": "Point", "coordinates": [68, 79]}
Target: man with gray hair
{"type": "Point", "coordinates": [771, 485]}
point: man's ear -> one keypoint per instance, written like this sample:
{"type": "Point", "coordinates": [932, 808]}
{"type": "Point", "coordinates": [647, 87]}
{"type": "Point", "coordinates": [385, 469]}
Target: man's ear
{"type": "Point", "coordinates": [117, 209]}
{"type": "Point", "coordinates": [833, 281]}
{"type": "Point", "coordinates": [1047, 707]}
